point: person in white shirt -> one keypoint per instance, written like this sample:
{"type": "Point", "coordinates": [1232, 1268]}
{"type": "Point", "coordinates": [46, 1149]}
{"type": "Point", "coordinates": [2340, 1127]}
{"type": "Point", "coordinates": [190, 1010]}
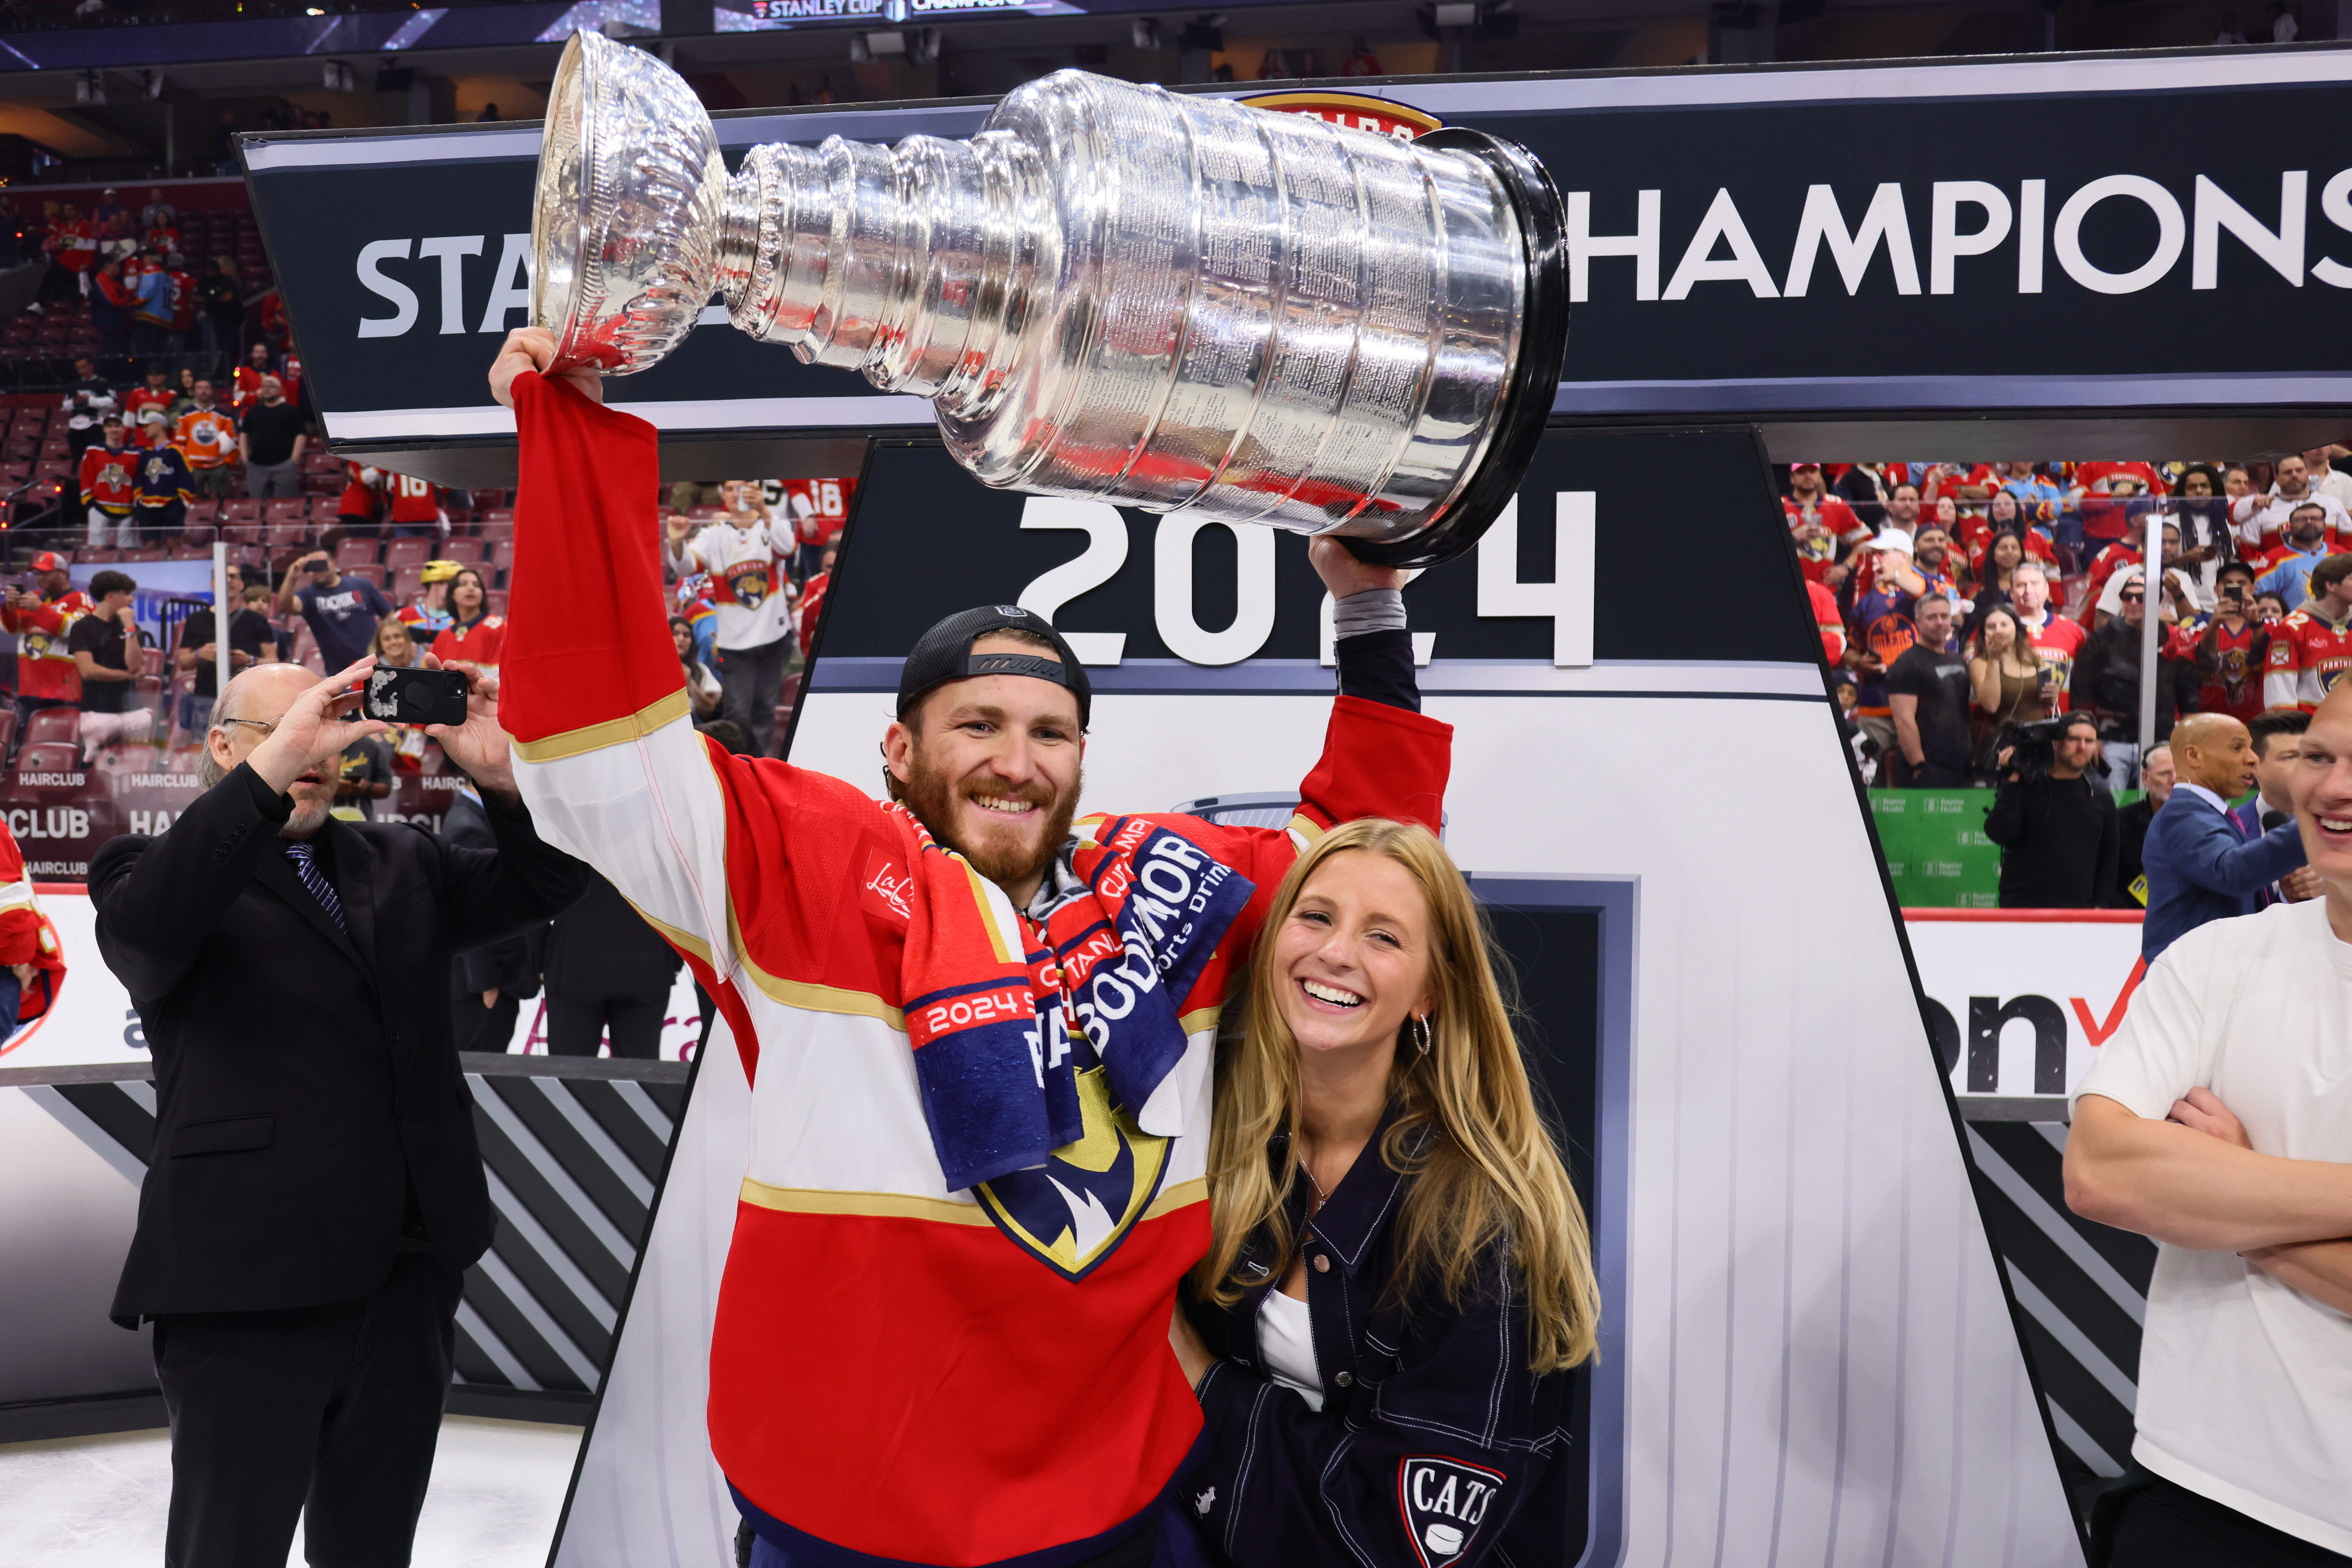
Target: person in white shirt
{"type": "Point", "coordinates": [744, 554]}
{"type": "Point", "coordinates": [2219, 1121]}
{"type": "Point", "coordinates": [2324, 477]}
{"type": "Point", "coordinates": [2262, 521]}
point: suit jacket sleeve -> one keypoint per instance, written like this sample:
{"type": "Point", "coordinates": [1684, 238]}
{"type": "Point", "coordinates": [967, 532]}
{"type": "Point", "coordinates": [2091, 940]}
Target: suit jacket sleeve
{"type": "Point", "coordinates": [157, 900]}
{"type": "Point", "coordinates": [2207, 852]}
{"type": "Point", "coordinates": [491, 894]}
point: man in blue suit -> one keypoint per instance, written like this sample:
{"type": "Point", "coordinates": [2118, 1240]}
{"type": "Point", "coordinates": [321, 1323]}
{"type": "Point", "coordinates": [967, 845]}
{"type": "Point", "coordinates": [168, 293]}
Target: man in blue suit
{"type": "Point", "coordinates": [2203, 863]}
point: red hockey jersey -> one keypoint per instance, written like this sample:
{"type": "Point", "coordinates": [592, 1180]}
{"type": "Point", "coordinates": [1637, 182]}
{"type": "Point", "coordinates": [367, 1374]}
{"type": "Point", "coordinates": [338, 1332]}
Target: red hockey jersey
{"type": "Point", "coordinates": [44, 667]}
{"type": "Point", "coordinates": [2309, 654]}
{"type": "Point", "coordinates": [110, 479]}
{"type": "Point", "coordinates": [987, 1403]}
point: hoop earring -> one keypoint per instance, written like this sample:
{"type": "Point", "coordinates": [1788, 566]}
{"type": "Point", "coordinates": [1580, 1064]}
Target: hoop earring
{"type": "Point", "coordinates": [1421, 1033]}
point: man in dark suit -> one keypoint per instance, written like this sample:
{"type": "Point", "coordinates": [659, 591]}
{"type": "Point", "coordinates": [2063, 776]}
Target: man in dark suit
{"type": "Point", "coordinates": [2202, 863]}
{"type": "Point", "coordinates": [315, 1192]}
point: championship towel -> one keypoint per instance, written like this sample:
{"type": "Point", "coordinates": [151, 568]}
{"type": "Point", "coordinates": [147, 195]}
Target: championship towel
{"type": "Point", "coordinates": [993, 997]}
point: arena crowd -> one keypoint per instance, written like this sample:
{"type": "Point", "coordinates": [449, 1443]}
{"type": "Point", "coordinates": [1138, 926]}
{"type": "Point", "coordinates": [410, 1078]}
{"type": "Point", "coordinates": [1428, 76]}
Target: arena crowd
{"type": "Point", "coordinates": [1985, 624]}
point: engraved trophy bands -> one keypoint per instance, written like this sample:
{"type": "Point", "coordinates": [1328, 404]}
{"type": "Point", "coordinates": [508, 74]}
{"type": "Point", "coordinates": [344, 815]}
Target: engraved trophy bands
{"type": "Point", "coordinates": [1112, 292]}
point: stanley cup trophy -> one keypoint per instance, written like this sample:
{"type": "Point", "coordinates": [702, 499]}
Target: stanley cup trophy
{"type": "Point", "coordinates": [1112, 292]}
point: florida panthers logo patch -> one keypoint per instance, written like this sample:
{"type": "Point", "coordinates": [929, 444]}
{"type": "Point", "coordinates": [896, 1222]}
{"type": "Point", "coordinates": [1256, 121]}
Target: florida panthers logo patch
{"type": "Point", "coordinates": [1072, 1212]}
{"type": "Point", "coordinates": [1443, 1502]}
{"type": "Point", "coordinates": [749, 584]}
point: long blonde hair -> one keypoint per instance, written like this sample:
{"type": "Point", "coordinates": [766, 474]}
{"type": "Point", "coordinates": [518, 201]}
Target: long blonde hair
{"type": "Point", "coordinates": [1468, 1129]}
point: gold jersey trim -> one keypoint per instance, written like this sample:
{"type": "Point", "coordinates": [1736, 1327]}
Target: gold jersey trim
{"type": "Point", "coordinates": [612, 732]}
{"type": "Point", "coordinates": [882, 1204]}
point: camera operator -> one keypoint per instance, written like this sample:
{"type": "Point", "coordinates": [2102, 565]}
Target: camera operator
{"type": "Point", "coordinates": [2056, 829]}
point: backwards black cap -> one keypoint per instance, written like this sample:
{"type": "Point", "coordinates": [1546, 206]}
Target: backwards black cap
{"type": "Point", "coordinates": [944, 653]}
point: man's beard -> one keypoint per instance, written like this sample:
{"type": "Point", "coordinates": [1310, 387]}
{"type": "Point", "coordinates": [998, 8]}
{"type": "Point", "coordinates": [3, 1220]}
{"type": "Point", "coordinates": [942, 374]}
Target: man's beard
{"type": "Point", "coordinates": [932, 796]}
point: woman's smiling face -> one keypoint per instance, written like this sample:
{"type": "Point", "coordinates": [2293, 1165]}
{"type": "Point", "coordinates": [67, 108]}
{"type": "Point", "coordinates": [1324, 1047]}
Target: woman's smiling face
{"type": "Point", "coordinates": [1354, 955]}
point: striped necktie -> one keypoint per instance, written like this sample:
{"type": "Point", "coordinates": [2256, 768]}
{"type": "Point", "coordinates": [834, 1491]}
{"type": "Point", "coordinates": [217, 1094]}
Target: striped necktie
{"type": "Point", "coordinates": [306, 866]}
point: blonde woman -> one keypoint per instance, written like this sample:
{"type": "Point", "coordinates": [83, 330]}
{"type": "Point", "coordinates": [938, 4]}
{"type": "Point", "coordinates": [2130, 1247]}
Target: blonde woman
{"type": "Point", "coordinates": [1401, 1277]}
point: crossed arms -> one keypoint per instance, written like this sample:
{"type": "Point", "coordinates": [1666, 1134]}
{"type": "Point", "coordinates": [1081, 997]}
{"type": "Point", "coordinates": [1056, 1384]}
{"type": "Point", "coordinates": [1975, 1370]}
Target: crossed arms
{"type": "Point", "coordinates": [2193, 1180]}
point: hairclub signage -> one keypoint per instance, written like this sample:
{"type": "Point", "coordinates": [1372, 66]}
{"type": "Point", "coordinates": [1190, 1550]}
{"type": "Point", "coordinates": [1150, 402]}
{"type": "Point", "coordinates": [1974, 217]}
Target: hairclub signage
{"type": "Point", "coordinates": [1827, 252]}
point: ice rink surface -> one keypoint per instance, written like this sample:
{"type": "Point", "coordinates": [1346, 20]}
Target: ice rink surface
{"type": "Point", "coordinates": [98, 1503]}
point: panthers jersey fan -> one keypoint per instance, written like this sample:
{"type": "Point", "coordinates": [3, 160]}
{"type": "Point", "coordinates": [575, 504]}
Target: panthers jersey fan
{"type": "Point", "coordinates": [362, 493]}
{"type": "Point", "coordinates": [940, 1337]}
{"type": "Point", "coordinates": [109, 486]}
{"type": "Point", "coordinates": [415, 505]}
{"type": "Point", "coordinates": [473, 633]}
{"type": "Point", "coordinates": [32, 963]}
{"type": "Point", "coordinates": [2311, 649]}
{"type": "Point", "coordinates": [46, 674]}
{"type": "Point", "coordinates": [744, 554]}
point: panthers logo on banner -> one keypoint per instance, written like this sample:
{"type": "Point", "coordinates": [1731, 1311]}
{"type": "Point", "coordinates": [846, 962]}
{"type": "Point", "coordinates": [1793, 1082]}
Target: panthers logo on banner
{"type": "Point", "coordinates": [748, 583]}
{"type": "Point", "coordinates": [1073, 1211]}
{"type": "Point", "coordinates": [1443, 1502]}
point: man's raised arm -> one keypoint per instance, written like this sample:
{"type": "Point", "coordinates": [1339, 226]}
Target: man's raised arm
{"type": "Point", "coordinates": [591, 693]}
{"type": "Point", "coordinates": [1381, 755]}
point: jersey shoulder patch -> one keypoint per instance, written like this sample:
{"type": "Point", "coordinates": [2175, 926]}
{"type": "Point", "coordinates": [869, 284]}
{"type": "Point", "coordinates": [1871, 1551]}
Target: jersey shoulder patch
{"type": "Point", "coordinates": [1444, 1501]}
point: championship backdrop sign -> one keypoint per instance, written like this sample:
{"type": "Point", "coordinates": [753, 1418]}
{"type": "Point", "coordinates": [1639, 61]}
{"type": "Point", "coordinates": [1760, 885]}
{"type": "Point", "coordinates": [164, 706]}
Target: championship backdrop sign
{"type": "Point", "coordinates": [1806, 1345]}
{"type": "Point", "coordinates": [1795, 246]}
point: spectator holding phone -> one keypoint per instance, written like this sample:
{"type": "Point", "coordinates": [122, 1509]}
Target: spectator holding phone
{"type": "Point", "coordinates": [744, 553]}
{"type": "Point", "coordinates": [342, 611]}
{"type": "Point", "coordinates": [2230, 648]}
{"type": "Point", "coordinates": [396, 649]}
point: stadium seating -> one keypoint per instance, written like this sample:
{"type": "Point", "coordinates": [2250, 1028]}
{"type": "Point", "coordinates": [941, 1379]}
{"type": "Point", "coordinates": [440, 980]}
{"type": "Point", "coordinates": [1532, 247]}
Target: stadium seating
{"type": "Point", "coordinates": [50, 757]}
{"type": "Point", "coordinates": [53, 723]}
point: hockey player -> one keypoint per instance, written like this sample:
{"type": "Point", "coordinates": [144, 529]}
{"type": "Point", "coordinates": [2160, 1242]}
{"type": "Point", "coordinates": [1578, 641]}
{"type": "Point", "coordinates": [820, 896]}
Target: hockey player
{"type": "Point", "coordinates": [978, 1034]}
{"type": "Point", "coordinates": [2312, 648]}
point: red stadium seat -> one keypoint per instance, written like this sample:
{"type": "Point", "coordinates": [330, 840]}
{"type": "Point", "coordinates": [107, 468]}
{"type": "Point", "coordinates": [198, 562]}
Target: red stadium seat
{"type": "Point", "coordinates": [7, 727]}
{"type": "Point", "coordinates": [242, 509]}
{"type": "Point", "coordinates": [147, 552]}
{"type": "Point", "coordinates": [497, 598]}
{"type": "Point", "coordinates": [354, 552]}
{"type": "Point", "coordinates": [371, 572]}
{"type": "Point", "coordinates": [54, 757]}
{"type": "Point", "coordinates": [104, 555]}
{"type": "Point", "coordinates": [403, 553]}
{"type": "Point", "coordinates": [286, 508]}
{"type": "Point", "coordinates": [202, 512]}
{"type": "Point", "coordinates": [407, 585]}
{"type": "Point", "coordinates": [53, 723]}
{"type": "Point", "coordinates": [501, 554]}
{"type": "Point", "coordinates": [465, 552]}
{"type": "Point", "coordinates": [285, 535]}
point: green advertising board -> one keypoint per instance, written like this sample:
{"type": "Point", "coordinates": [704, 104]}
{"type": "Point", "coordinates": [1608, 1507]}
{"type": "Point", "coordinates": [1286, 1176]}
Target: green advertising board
{"type": "Point", "coordinates": [1937, 852]}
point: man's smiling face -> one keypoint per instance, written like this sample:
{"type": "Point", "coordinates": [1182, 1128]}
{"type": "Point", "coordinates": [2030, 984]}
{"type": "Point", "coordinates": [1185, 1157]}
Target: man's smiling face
{"type": "Point", "coordinates": [992, 766]}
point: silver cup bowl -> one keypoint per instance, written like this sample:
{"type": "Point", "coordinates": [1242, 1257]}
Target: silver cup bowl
{"type": "Point", "coordinates": [1111, 292]}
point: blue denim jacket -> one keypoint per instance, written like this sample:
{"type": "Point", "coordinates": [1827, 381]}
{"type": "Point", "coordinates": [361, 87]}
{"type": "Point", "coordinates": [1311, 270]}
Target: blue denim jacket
{"type": "Point", "coordinates": [1435, 1446]}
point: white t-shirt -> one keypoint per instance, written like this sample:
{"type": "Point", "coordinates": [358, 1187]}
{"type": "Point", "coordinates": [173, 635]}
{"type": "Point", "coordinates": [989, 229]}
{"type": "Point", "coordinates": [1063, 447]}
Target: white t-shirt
{"type": "Point", "coordinates": [747, 582]}
{"type": "Point", "coordinates": [2257, 516]}
{"type": "Point", "coordinates": [1286, 1343]}
{"type": "Point", "coordinates": [2246, 1386]}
